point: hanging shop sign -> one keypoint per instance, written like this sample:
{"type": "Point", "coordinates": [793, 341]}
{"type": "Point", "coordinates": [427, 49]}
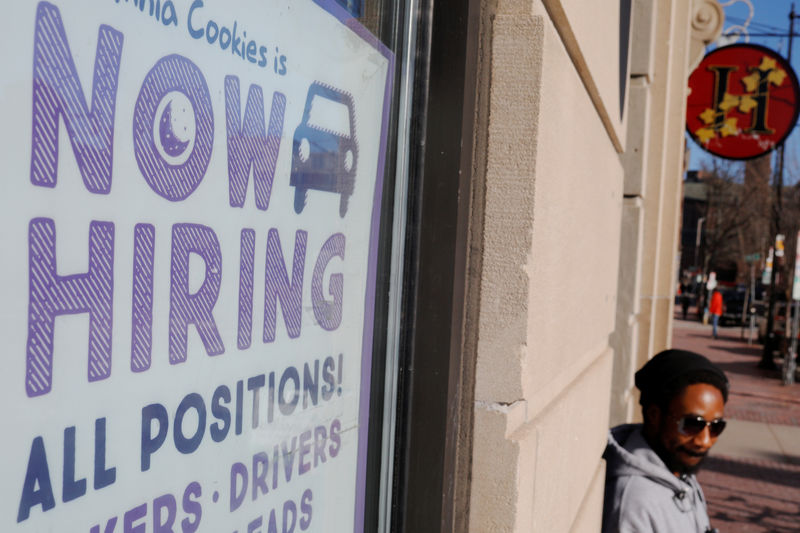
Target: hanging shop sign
{"type": "Point", "coordinates": [190, 210]}
{"type": "Point", "coordinates": [743, 101]}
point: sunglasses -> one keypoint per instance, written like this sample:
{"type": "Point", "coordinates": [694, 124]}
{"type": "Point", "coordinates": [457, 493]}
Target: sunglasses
{"type": "Point", "coordinates": [691, 425]}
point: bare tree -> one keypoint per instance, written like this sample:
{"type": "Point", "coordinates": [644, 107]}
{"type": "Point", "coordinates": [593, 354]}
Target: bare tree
{"type": "Point", "coordinates": [726, 215]}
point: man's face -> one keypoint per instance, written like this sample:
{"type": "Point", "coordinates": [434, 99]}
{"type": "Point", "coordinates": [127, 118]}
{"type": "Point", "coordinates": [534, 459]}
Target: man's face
{"type": "Point", "coordinates": [684, 452]}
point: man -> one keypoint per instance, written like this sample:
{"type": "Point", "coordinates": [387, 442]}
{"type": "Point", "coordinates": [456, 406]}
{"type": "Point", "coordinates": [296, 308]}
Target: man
{"type": "Point", "coordinates": [650, 481]}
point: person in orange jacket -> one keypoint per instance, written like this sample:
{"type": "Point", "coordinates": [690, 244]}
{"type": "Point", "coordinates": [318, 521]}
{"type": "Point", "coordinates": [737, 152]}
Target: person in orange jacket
{"type": "Point", "coordinates": [715, 309]}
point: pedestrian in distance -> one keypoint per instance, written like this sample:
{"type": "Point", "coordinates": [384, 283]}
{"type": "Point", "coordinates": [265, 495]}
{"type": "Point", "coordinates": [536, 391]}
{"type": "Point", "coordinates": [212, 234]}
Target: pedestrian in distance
{"type": "Point", "coordinates": [715, 309]}
{"type": "Point", "coordinates": [684, 294]}
{"type": "Point", "coordinates": [650, 468]}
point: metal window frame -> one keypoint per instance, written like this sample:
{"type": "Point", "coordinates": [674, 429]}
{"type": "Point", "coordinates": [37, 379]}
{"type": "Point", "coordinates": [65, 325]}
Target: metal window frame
{"type": "Point", "coordinates": [433, 447]}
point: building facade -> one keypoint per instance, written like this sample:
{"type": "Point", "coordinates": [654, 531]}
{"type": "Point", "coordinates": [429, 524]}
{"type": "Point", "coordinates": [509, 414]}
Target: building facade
{"type": "Point", "coordinates": [459, 244]}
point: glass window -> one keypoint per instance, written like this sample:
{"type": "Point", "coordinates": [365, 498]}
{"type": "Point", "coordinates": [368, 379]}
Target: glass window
{"type": "Point", "coordinates": [203, 219]}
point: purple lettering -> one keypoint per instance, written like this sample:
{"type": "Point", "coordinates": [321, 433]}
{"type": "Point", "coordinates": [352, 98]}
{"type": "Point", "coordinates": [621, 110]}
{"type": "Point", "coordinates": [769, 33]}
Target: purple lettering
{"type": "Point", "coordinates": [110, 526]}
{"type": "Point", "coordinates": [272, 527]}
{"type": "Point", "coordinates": [327, 376]}
{"type": "Point", "coordinates": [255, 525]}
{"type": "Point", "coordinates": [219, 430]}
{"type": "Point", "coordinates": [144, 236]}
{"type": "Point", "coordinates": [255, 384]}
{"type": "Point", "coordinates": [305, 448]}
{"type": "Point", "coordinates": [275, 455]}
{"type": "Point", "coordinates": [174, 181]}
{"type": "Point", "coordinates": [260, 465]}
{"type": "Point", "coordinates": [288, 458]}
{"type": "Point", "coordinates": [57, 92]}
{"type": "Point", "coordinates": [192, 507]}
{"type": "Point", "coordinates": [310, 384]}
{"type": "Point", "coordinates": [336, 439]}
{"type": "Point", "coordinates": [103, 476]}
{"type": "Point", "coordinates": [320, 436]}
{"type": "Point", "coordinates": [71, 488]}
{"type": "Point", "coordinates": [238, 479]}
{"type": "Point", "coordinates": [183, 443]}
{"type": "Point", "coordinates": [277, 285]}
{"type": "Point", "coordinates": [131, 516]}
{"type": "Point", "coordinates": [271, 397]}
{"type": "Point", "coordinates": [287, 407]}
{"type": "Point", "coordinates": [149, 443]}
{"type": "Point", "coordinates": [51, 295]}
{"type": "Point", "coordinates": [246, 262]}
{"type": "Point", "coordinates": [37, 475]}
{"type": "Point", "coordinates": [239, 405]}
{"type": "Point", "coordinates": [328, 314]}
{"type": "Point", "coordinates": [162, 524]}
{"type": "Point", "coordinates": [289, 510]}
{"type": "Point", "coordinates": [186, 308]}
{"type": "Point", "coordinates": [305, 509]}
{"type": "Point", "coordinates": [249, 145]}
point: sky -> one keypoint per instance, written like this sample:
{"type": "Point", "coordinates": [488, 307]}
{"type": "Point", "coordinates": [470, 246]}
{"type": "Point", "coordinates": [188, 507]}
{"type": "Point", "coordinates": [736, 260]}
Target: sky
{"type": "Point", "coordinates": [760, 17]}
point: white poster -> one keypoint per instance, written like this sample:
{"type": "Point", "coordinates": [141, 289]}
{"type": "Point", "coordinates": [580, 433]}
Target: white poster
{"type": "Point", "coordinates": [190, 208]}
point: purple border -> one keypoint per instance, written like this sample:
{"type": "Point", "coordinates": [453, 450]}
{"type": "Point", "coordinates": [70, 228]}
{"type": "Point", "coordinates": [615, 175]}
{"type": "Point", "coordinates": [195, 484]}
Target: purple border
{"type": "Point", "coordinates": [369, 303]}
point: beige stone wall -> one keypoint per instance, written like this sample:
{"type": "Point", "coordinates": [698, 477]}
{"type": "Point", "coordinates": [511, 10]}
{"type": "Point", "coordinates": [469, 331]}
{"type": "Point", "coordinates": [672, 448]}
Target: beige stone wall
{"type": "Point", "coordinates": [668, 36]}
{"type": "Point", "coordinates": [579, 212]}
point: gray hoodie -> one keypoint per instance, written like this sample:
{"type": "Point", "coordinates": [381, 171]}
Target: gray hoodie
{"type": "Point", "coordinates": [642, 495]}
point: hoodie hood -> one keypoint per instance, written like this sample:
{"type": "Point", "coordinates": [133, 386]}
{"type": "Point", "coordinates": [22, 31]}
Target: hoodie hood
{"type": "Point", "coordinates": [639, 486]}
{"type": "Point", "coordinates": [628, 454]}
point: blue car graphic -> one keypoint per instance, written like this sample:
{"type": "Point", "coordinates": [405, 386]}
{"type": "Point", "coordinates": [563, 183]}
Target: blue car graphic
{"type": "Point", "coordinates": [324, 148]}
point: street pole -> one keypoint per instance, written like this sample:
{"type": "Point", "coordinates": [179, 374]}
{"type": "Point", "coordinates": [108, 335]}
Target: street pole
{"type": "Point", "coordinates": [789, 364]}
{"type": "Point", "coordinates": [789, 358]}
{"type": "Point", "coordinates": [752, 299]}
{"type": "Point", "coordinates": [767, 360]}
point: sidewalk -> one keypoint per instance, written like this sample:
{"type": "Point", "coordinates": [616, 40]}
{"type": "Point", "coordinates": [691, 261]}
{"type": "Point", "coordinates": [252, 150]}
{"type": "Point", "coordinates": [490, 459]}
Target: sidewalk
{"type": "Point", "coordinates": [752, 476]}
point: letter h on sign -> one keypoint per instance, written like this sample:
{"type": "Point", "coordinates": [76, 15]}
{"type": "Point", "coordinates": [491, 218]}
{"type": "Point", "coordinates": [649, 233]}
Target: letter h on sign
{"type": "Point", "coordinates": [755, 100]}
{"type": "Point", "coordinates": [51, 295]}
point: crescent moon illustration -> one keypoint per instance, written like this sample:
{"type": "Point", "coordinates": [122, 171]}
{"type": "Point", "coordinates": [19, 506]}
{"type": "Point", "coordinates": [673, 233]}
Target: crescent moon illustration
{"type": "Point", "coordinates": [172, 144]}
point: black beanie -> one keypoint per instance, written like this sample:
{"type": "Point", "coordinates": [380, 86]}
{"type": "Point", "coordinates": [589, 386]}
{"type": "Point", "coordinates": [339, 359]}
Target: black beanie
{"type": "Point", "coordinates": [658, 376]}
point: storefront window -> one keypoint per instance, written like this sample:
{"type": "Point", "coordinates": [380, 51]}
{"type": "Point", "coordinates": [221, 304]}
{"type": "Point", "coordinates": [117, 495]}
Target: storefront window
{"type": "Point", "coordinates": [202, 214]}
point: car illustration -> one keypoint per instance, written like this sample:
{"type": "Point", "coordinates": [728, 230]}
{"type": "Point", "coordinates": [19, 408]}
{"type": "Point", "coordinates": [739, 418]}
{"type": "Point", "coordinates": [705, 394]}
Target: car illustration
{"type": "Point", "coordinates": [324, 147]}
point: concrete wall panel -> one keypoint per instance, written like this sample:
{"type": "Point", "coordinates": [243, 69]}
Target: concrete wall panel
{"type": "Point", "coordinates": [625, 337]}
{"type": "Point", "coordinates": [590, 515]}
{"type": "Point", "coordinates": [571, 439]}
{"type": "Point", "coordinates": [496, 473]}
{"type": "Point", "coordinates": [642, 39]}
{"type": "Point", "coordinates": [574, 254]}
{"type": "Point", "coordinates": [509, 204]}
{"type": "Point", "coordinates": [593, 33]}
{"type": "Point", "coordinates": [635, 157]}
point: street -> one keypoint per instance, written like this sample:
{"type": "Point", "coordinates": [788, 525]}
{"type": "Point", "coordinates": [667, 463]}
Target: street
{"type": "Point", "coordinates": [752, 475]}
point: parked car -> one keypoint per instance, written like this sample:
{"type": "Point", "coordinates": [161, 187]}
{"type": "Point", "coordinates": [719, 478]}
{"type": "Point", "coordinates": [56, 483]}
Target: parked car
{"type": "Point", "coordinates": [732, 306]}
{"type": "Point", "coordinates": [778, 324]}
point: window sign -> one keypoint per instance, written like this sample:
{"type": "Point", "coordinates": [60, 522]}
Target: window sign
{"type": "Point", "coordinates": [189, 213]}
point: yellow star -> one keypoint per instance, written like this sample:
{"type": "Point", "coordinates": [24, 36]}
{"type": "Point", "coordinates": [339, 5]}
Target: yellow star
{"type": "Point", "coordinates": [729, 128]}
{"type": "Point", "coordinates": [705, 134]}
{"type": "Point", "coordinates": [751, 82]}
{"type": "Point", "coordinates": [746, 103]}
{"type": "Point", "coordinates": [766, 64]}
{"type": "Point", "coordinates": [728, 102]}
{"type": "Point", "coordinates": [776, 77]}
{"type": "Point", "coordinates": [707, 116]}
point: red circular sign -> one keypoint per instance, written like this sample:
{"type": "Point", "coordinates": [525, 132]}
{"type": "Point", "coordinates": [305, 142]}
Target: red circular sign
{"type": "Point", "coordinates": [743, 101]}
